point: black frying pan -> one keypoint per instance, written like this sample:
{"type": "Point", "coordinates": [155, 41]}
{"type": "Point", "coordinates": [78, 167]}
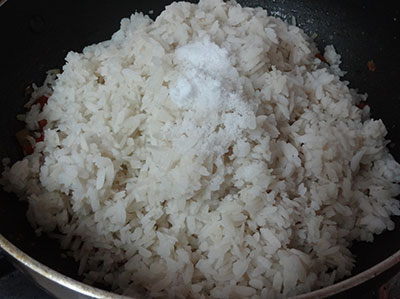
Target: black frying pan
{"type": "Point", "coordinates": [36, 36]}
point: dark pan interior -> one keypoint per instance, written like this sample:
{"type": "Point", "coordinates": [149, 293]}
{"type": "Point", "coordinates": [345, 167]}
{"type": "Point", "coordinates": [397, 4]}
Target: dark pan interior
{"type": "Point", "coordinates": [36, 36]}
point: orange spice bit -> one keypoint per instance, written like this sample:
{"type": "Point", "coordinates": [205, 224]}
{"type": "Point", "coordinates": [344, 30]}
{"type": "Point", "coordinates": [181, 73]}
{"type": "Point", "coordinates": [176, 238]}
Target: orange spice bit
{"type": "Point", "coordinates": [371, 65]}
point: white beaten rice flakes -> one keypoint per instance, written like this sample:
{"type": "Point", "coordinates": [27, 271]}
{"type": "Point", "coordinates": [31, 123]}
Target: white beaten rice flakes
{"type": "Point", "coordinates": [207, 154]}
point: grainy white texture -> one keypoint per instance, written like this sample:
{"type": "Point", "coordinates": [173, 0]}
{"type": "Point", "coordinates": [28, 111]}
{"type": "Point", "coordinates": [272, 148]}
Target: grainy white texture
{"type": "Point", "coordinates": [207, 154]}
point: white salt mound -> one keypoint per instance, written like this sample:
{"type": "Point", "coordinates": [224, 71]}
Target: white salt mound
{"type": "Point", "coordinates": [207, 154]}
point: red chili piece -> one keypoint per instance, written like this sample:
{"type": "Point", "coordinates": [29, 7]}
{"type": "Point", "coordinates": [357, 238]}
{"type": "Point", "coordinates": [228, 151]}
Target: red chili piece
{"type": "Point", "coordinates": [40, 138]}
{"type": "Point", "coordinates": [42, 124]}
{"type": "Point", "coordinates": [371, 66]}
{"type": "Point", "coordinates": [28, 149]}
{"type": "Point", "coordinates": [362, 104]}
{"type": "Point", "coordinates": [42, 101]}
{"type": "Point", "coordinates": [320, 57]}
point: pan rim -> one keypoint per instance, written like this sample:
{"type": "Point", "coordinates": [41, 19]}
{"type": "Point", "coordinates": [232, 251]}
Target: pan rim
{"type": "Point", "coordinates": [355, 280]}
{"type": "Point", "coordinates": [53, 275]}
{"type": "Point", "coordinates": [88, 290]}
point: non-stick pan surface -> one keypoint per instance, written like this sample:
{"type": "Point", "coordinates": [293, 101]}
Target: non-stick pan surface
{"type": "Point", "coordinates": [35, 36]}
